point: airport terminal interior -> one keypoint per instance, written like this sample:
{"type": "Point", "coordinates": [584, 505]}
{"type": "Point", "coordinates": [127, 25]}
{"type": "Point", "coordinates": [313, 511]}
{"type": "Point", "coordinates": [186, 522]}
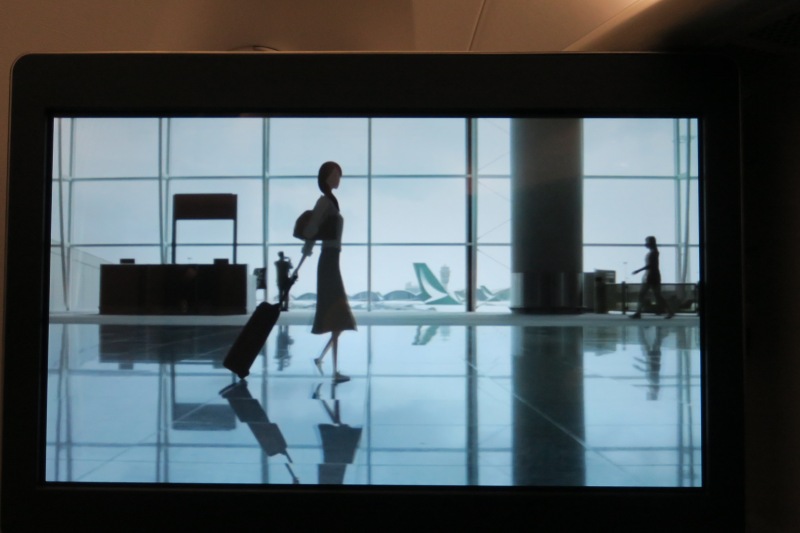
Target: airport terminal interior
{"type": "Point", "coordinates": [468, 366]}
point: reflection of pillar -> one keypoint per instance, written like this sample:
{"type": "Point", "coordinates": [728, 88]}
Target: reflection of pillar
{"type": "Point", "coordinates": [547, 215]}
{"type": "Point", "coordinates": [548, 412]}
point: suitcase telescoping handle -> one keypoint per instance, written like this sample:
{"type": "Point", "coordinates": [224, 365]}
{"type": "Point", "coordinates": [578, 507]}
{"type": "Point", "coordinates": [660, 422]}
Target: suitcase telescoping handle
{"type": "Point", "coordinates": [302, 259]}
{"type": "Point", "coordinates": [293, 277]}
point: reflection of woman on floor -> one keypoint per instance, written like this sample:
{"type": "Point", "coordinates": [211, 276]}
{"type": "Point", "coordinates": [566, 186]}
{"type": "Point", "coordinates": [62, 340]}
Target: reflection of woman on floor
{"type": "Point", "coordinates": [333, 313]}
{"type": "Point", "coordinates": [651, 363]}
{"type": "Point", "coordinates": [339, 442]}
{"type": "Point", "coordinates": [651, 281]}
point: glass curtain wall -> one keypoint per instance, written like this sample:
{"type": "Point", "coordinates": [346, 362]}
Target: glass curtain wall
{"type": "Point", "coordinates": [640, 179]}
{"type": "Point", "coordinates": [425, 201]}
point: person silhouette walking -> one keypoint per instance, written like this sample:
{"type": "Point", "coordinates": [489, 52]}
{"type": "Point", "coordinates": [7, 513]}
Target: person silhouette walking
{"type": "Point", "coordinates": [651, 281]}
{"type": "Point", "coordinates": [282, 268]}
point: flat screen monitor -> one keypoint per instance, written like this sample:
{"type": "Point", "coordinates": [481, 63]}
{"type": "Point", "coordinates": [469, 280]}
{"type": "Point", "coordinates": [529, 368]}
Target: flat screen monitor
{"type": "Point", "coordinates": [526, 307]}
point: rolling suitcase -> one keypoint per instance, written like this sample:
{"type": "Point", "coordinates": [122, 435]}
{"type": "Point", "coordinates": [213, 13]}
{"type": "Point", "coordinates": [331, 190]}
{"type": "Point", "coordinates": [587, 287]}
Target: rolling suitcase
{"type": "Point", "coordinates": [245, 348]}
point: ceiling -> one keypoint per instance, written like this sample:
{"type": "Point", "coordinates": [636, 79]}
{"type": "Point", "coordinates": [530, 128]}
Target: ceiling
{"type": "Point", "coordinates": [389, 25]}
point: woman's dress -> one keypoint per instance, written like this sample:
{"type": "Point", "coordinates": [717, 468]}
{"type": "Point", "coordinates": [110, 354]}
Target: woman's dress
{"type": "Point", "coordinates": [333, 311]}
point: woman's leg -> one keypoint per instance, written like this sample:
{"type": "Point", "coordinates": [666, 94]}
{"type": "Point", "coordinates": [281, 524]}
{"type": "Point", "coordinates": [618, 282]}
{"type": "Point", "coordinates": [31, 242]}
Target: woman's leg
{"type": "Point", "coordinates": [337, 377]}
{"type": "Point", "coordinates": [335, 343]}
{"type": "Point", "coordinates": [325, 350]}
{"type": "Point", "coordinates": [640, 304]}
{"type": "Point", "coordinates": [318, 360]}
{"type": "Point", "coordinates": [662, 302]}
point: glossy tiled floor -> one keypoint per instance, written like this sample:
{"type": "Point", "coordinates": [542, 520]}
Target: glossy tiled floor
{"type": "Point", "coordinates": [484, 401]}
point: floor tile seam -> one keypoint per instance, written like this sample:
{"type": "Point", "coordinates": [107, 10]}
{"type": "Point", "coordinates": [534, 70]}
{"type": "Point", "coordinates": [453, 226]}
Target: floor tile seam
{"type": "Point", "coordinates": [581, 441]}
{"type": "Point", "coordinates": [125, 450]}
{"type": "Point", "coordinates": [547, 417]}
{"type": "Point", "coordinates": [102, 464]}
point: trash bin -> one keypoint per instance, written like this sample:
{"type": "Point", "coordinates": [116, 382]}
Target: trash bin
{"type": "Point", "coordinates": [604, 281]}
{"type": "Point", "coordinates": [261, 278]}
{"type": "Point", "coordinates": [600, 297]}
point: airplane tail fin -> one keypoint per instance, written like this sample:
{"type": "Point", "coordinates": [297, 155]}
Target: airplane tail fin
{"type": "Point", "coordinates": [431, 288]}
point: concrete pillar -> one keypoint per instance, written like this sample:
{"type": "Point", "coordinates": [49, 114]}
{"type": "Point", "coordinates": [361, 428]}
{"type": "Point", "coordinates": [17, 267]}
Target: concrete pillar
{"type": "Point", "coordinates": [546, 215]}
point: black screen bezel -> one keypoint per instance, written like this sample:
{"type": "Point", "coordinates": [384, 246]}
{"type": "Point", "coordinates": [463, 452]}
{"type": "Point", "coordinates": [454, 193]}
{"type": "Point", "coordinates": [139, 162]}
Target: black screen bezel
{"type": "Point", "coordinates": [318, 84]}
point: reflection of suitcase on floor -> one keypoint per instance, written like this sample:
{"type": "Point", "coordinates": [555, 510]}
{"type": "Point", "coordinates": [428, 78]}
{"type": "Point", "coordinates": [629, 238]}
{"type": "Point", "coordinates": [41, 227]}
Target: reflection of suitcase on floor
{"type": "Point", "coordinates": [250, 412]}
{"type": "Point", "coordinates": [248, 344]}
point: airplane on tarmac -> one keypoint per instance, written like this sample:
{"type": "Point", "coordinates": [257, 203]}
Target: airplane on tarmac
{"type": "Point", "coordinates": [432, 296]}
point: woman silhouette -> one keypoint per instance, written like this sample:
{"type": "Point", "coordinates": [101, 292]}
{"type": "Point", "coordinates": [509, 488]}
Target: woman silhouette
{"type": "Point", "coordinates": [333, 313]}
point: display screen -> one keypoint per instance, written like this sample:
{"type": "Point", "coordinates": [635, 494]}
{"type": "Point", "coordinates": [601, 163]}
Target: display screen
{"type": "Point", "coordinates": [524, 294]}
{"type": "Point", "coordinates": [446, 387]}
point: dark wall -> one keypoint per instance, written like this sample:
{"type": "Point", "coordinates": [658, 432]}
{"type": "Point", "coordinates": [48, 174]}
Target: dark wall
{"type": "Point", "coordinates": [771, 162]}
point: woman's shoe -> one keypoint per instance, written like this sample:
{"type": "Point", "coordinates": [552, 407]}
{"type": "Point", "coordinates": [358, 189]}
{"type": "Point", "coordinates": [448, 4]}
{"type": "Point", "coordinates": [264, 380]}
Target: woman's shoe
{"type": "Point", "coordinates": [318, 364]}
{"type": "Point", "coordinates": [340, 378]}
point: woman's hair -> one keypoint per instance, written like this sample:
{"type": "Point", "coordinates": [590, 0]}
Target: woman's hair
{"type": "Point", "coordinates": [328, 168]}
{"type": "Point", "coordinates": [650, 240]}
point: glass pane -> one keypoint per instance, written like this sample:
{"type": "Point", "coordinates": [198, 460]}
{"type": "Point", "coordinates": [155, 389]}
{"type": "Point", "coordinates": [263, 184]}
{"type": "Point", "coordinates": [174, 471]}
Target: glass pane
{"type": "Point", "coordinates": [418, 210]}
{"type": "Point", "coordinates": [625, 259]}
{"type": "Point", "coordinates": [692, 265]}
{"type": "Point", "coordinates": [493, 278]}
{"type": "Point", "coordinates": [688, 137]}
{"type": "Point", "coordinates": [115, 147]}
{"type": "Point", "coordinates": [628, 147]}
{"type": "Point", "coordinates": [56, 281]}
{"type": "Point", "coordinates": [352, 265]}
{"type": "Point", "coordinates": [63, 132]}
{"type": "Point", "coordinates": [402, 146]}
{"type": "Point", "coordinates": [626, 210]}
{"type": "Point", "coordinates": [61, 190]}
{"type": "Point", "coordinates": [439, 271]}
{"type": "Point", "coordinates": [145, 255]}
{"type": "Point", "coordinates": [61, 193]}
{"type": "Point", "coordinates": [694, 212]}
{"type": "Point", "coordinates": [298, 146]}
{"type": "Point", "coordinates": [115, 212]}
{"type": "Point", "coordinates": [215, 146]}
{"type": "Point", "coordinates": [290, 197]}
{"type": "Point", "coordinates": [494, 146]}
{"type": "Point", "coordinates": [249, 202]}
{"type": "Point", "coordinates": [251, 255]}
{"type": "Point", "coordinates": [494, 210]}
